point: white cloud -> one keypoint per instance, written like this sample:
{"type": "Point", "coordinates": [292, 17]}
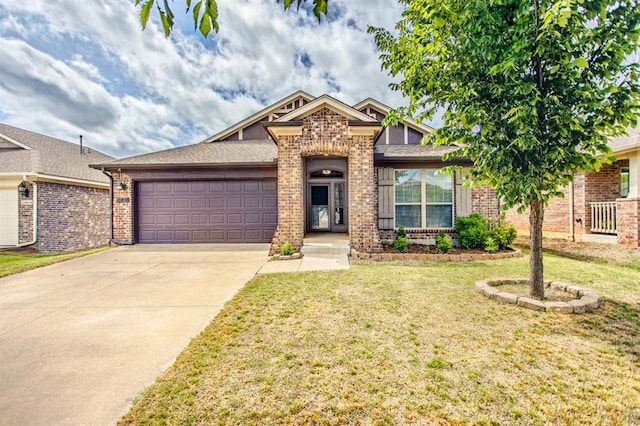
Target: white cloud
{"type": "Point", "coordinates": [90, 69]}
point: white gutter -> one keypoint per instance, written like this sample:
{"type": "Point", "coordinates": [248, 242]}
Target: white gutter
{"type": "Point", "coordinates": [59, 179]}
{"type": "Point", "coordinates": [35, 217]}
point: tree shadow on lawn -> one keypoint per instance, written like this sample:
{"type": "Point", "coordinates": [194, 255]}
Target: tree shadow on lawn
{"type": "Point", "coordinates": [617, 323]}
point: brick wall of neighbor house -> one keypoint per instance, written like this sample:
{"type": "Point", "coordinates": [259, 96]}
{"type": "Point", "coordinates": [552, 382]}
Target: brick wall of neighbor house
{"type": "Point", "coordinates": [629, 221]}
{"type": "Point", "coordinates": [122, 209]}
{"type": "Point", "coordinates": [603, 185]}
{"type": "Point", "coordinates": [579, 206]}
{"type": "Point", "coordinates": [326, 133]}
{"type": "Point", "coordinates": [71, 217]}
{"type": "Point", "coordinates": [556, 214]}
{"type": "Point", "coordinates": [589, 187]}
{"type": "Point", "coordinates": [25, 216]}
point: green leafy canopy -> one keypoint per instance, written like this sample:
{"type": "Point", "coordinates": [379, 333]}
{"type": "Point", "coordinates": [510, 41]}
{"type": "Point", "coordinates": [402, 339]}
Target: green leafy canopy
{"type": "Point", "coordinates": [531, 90]}
{"type": "Point", "coordinates": [205, 13]}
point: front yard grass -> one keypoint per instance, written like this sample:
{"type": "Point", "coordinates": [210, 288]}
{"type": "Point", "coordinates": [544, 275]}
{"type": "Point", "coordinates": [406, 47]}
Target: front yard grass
{"type": "Point", "coordinates": [14, 261]}
{"type": "Point", "coordinates": [408, 343]}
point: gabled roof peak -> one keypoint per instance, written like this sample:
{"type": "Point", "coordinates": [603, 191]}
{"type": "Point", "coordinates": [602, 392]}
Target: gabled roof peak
{"type": "Point", "coordinates": [326, 101]}
{"type": "Point", "coordinates": [279, 107]}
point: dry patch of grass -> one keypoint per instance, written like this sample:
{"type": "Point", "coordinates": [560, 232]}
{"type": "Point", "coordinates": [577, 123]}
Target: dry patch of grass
{"type": "Point", "coordinates": [14, 261]}
{"type": "Point", "coordinates": [594, 252]}
{"type": "Point", "coordinates": [407, 343]}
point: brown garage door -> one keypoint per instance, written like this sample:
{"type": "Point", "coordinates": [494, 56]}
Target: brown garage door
{"type": "Point", "coordinates": [206, 211]}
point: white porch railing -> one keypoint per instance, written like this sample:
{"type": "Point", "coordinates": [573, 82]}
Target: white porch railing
{"type": "Point", "coordinates": [603, 218]}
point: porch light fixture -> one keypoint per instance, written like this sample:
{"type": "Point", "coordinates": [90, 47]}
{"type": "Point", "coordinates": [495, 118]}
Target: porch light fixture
{"type": "Point", "coordinates": [326, 172]}
{"type": "Point", "coordinates": [22, 189]}
{"type": "Point", "coordinates": [122, 185]}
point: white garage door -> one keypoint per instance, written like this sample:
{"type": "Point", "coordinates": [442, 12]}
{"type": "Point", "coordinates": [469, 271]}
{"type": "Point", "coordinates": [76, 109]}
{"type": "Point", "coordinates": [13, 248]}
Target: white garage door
{"type": "Point", "coordinates": [8, 216]}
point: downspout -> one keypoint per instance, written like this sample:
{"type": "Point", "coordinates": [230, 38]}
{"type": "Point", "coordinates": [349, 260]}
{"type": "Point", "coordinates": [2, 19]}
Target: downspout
{"type": "Point", "coordinates": [110, 203]}
{"type": "Point", "coordinates": [35, 216]}
{"type": "Point", "coordinates": [572, 225]}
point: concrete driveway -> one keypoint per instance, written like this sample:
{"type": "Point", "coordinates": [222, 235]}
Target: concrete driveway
{"type": "Point", "coordinates": [79, 340]}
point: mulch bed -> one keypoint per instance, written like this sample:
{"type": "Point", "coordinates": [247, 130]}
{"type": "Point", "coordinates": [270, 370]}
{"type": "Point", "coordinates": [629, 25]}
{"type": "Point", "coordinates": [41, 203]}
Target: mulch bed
{"type": "Point", "coordinates": [419, 249]}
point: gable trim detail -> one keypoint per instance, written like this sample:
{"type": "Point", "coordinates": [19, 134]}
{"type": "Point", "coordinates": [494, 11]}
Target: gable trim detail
{"type": "Point", "coordinates": [258, 116]}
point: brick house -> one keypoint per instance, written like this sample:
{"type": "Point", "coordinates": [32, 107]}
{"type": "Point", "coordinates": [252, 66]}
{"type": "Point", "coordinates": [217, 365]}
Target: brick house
{"type": "Point", "coordinates": [49, 197]}
{"type": "Point", "coordinates": [601, 206]}
{"type": "Point", "coordinates": [304, 164]}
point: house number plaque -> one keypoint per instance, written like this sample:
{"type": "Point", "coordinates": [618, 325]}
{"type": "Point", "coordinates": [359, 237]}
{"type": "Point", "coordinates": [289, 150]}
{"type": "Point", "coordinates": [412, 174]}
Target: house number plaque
{"type": "Point", "coordinates": [122, 199]}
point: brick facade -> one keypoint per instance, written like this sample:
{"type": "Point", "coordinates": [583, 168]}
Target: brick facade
{"type": "Point", "coordinates": [589, 187]}
{"type": "Point", "coordinates": [122, 209]}
{"type": "Point", "coordinates": [601, 186]}
{"type": "Point", "coordinates": [25, 215]}
{"type": "Point", "coordinates": [290, 195]}
{"type": "Point", "coordinates": [629, 221]}
{"type": "Point", "coordinates": [71, 217]}
{"type": "Point", "coordinates": [326, 133]}
{"type": "Point", "coordinates": [485, 202]}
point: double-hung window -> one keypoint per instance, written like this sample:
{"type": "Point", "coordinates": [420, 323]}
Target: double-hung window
{"type": "Point", "coordinates": [423, 199]}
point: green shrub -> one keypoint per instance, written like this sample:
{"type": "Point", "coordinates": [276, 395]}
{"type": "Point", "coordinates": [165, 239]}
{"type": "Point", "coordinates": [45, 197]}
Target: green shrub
{"type": "Point", "coordinates": [287, 249]}
{"type": "Point", "coordinates": [443, 242]}
{"type": "Point", "coordinates": [491, 245]}
{"type": "Point", "coordinates": [472, 231]}
{"type": "Point", "coordinates": [504, 235]}
{"type": "Point", "coordinates": [427, 249]}
{"type": "Point", "coordinates": [401, 244]}
{"type": "Point", "coordinates": [401, 232]}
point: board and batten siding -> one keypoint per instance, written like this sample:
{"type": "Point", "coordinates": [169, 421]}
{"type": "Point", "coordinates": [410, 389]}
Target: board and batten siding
{"type": "Point", "coordinates": [463, 196]}
{"type": "Point", "coordinates": [385, 197]}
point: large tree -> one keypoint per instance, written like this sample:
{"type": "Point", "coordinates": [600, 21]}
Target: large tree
{"type": "Point", "coordinates": [531, 89]}
{"type": "Point", "coordinates": [205, 13]}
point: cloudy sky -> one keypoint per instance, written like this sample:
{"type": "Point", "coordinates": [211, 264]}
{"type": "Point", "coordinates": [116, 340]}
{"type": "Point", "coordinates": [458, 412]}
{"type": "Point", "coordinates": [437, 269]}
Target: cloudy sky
{"type": "Point", "coordinates": [73, 67]}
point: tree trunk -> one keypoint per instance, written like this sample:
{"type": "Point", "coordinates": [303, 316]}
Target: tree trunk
{"type": "Point", "coordinates": [536, 281]}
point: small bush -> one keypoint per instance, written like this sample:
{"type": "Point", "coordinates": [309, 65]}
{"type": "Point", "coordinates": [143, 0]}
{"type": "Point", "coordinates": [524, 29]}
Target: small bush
{"type": "Point", "coordinates": [287, 249]}
{"type": "Point", "coordinates": [401, 232]}
{"type": "Point", "coordinates": [401, 244]}
{"type": "Point", "coordinates": [472, 231]}
{"type": "Point", "coordinates": [443, 242]}
{"type": "Point", "coordinates": [427, 249]}
{"type": "Point", "coordinates": [491, 245]}
{"type": "Point", "coordinates": [504, 235]}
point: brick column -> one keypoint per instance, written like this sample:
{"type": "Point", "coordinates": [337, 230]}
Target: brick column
{"type": "Point", "coordinates": [290, 195]}
{"type": "Point", "coordinates": [25, 215]}
{"type": "Point", "coordinates": [628, 221]}
{"type": "Point", "coordinates": [122, 209]}
{"type": "Point", "coordinates": [363, 227]}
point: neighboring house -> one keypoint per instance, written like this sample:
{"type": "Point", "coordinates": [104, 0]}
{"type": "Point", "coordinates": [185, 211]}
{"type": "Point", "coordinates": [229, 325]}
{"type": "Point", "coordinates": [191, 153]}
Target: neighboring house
{"type": "Point", "coordinates": [301, 165]}
{"type": "Point", "coordinates": [601, 206]}
{"type": "Point", "coordinates": [49, 196]}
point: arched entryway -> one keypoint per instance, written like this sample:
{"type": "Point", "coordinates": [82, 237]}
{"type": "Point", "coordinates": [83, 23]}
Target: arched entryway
{"type": "Point", "coordinates": [326, 194]}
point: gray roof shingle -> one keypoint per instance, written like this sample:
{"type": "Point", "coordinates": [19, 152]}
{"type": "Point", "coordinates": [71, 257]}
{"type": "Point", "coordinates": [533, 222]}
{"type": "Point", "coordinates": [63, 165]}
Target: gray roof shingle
{"type": "Point", "coordinates": [258, 152]}
{"type": "Point", "coordinates": [417, 152]}
{"type": "Point", "coordinates": [48, 155]}
{"type": "Point", "coordinates": [625, 142]}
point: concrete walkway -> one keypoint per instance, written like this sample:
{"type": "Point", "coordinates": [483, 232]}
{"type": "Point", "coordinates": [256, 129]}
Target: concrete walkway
{"type": "Point", "coordinates": [79, 340]}
{"type": "Point", "coordinates": [322, 252]}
